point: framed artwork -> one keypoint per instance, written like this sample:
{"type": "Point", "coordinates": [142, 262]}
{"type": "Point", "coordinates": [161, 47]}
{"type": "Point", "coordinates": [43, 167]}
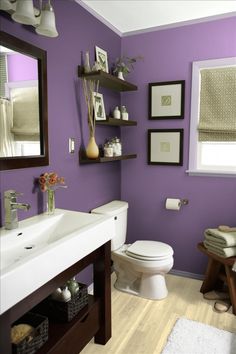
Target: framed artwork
{"type": "Point", "coordinates": [166, 100]}
{"type": "Point", "coordinates": [165, 147]}
{"type": "Point", "coordinates": [101, 58]}
{"type": "Point", "coordinates": [98, 104]}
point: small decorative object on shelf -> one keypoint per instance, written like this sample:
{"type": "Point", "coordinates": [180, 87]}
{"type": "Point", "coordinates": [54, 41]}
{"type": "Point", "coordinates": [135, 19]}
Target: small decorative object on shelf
{"type": "Point", "coordinates": [65, 294]}
{"type": "Point", "coordinates": [124, 65]}
{"type": "Point", "coordinates": [87, 67]}
{"type": "Point", "coordinates": [90, 88]}
{"type": "Point", "coordinates": [50, 182]}
{"type": "Point", "coordinates": [73, 286]}
{"type": "Point", "coordinates": [108, 149]}
{"type": "Point", "coordinates": [124, 113]}
{"type": "Point", "coordinates": [116, 113]}
{"type": "Point", "coordinates": [117, 147]}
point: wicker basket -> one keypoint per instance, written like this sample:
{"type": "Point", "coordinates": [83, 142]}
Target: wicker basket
{"type": "Point", "coordinates": [64, 311]}
{"type": "Point", "coordinates": [39, 335]}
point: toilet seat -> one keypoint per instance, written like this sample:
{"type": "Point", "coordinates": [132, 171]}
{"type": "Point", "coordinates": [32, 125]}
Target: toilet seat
{"type": "Point", "coordinates": [149, 250]}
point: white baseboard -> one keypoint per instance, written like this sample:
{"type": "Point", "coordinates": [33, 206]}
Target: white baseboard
{"type": "Point", "coordinates": [180, 273]}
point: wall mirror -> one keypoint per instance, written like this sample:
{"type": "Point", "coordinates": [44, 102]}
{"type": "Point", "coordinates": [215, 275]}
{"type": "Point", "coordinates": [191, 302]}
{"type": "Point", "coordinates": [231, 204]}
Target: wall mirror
{"type": "Point", "coordinates": [23, 104]}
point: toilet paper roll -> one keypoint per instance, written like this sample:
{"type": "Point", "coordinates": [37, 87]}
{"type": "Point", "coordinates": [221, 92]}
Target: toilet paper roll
{"type": "Point", "coordinates": [173, 204]}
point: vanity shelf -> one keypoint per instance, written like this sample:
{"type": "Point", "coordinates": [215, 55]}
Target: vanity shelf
{"type": "Point", "coordinates": [64, 336]}
{"type": "Point", "coordinates": [84, 160]}
{"type": "Point", "coordinates": [94, 320]}
{"type": "Point", "coordinates": [107, 80]}
{"type": "Point", "coordinates": [116, 122]}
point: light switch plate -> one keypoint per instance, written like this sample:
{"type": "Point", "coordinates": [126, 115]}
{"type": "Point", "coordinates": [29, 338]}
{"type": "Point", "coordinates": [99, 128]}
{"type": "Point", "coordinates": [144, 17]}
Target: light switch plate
{"type": "Point", "coordinates": [71, 145]}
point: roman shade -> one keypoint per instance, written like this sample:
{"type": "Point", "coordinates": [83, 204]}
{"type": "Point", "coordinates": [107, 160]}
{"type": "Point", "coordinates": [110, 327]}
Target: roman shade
{"type": "Point", "coordinates": [217, 120]}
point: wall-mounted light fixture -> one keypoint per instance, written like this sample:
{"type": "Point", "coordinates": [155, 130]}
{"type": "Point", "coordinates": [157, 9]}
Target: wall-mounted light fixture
{"type": "Point", "coordinates": [23, 11]}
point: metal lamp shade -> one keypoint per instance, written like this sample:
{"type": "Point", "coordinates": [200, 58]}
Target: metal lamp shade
{"type": "Point", "coordinates": [47, 25]}
{"type": "Point", "coordinates": [5, 5]}
{"type": "Point", "coordinates": [24, 12]}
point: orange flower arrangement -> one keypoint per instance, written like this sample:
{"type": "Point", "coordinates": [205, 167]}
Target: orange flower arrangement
{"type": "Point", "coordinates": [50, 181]}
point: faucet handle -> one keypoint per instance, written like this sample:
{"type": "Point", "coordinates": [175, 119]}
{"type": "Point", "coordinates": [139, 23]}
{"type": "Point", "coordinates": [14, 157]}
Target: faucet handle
{"type": "Point", "coordinates": [11, 193]}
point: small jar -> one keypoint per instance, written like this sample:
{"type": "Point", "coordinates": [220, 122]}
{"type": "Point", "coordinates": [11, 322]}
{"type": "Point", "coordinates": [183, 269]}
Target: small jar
{"type": "Point", "coordinates": [65, 294]}
{"type": "Point", "coordinates": [73, 286]}
{"type": "Point", "coordinates": [117, 147]}
{"type": "Point", "coordinates": [108, 150]}
{"type": "Point", "coordinates": [56, 295]}
{"type": "Point", "coordinates": [116, 113]}
{"type": "Point", "coordinates": [124, 113]}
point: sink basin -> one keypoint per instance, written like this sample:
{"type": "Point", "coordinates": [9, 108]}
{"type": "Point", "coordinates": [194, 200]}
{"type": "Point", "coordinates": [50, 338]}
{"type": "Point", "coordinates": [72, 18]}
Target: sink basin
{"type": "Point", "coordinates": [45, 245]}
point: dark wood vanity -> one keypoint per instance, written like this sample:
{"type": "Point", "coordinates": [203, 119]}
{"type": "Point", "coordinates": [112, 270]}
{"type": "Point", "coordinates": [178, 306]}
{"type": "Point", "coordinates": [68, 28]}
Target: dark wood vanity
{"type": "Point", "coordinates": [94, 320]}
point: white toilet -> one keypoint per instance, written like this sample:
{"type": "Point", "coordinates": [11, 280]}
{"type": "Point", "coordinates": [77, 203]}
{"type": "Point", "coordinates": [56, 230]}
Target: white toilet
{"type": "Point", "coordinates": [140, 267]}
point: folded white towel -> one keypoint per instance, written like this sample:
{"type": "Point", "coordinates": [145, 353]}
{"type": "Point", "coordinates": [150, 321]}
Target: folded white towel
{"type": "Point", "coordinates": [220, 251]}
{"type": "Point", "coordinates": [225, 239]}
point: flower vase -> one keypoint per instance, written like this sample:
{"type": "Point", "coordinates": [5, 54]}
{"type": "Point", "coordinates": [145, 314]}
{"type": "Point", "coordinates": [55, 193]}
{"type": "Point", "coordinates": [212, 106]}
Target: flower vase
{"type": "Point", "coordinates": [87, 67]}
{"type": "Point", "coordinates": [92, 151]}
{"type": "Point", "coordinates": [120, 75]}
{"type": "Point", "coordinates": [50, 202]}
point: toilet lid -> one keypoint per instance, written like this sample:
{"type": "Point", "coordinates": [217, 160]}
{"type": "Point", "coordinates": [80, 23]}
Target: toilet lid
{"type": "Point", "coordinates": [149, 250]}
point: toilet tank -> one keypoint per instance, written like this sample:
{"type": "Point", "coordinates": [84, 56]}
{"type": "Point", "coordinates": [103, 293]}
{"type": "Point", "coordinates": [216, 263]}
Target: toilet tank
{"type": "Point", "coordinates": [118, 209]}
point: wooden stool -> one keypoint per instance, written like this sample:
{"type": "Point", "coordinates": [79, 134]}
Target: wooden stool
{"type": "Point", "coordinates": [219, 269]}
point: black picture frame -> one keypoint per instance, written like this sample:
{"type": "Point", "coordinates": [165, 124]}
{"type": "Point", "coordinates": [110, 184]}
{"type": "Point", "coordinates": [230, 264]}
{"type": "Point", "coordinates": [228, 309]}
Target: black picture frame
{"type": "Point", "coordinates": [165, 147]}
{"type": "Point", "coordinates": [166, 99]}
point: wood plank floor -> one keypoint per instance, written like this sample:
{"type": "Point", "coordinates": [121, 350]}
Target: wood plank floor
{"type": "Point", "coordinates": [141, 326]}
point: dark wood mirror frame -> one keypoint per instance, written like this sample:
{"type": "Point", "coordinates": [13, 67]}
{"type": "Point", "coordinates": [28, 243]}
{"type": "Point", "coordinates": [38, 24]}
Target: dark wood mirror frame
{"type": "Point", "coordinates": [8, 163]}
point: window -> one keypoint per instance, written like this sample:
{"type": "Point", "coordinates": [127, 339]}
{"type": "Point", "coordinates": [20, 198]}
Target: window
{"type": "Point", "coordinates": [213, 118]}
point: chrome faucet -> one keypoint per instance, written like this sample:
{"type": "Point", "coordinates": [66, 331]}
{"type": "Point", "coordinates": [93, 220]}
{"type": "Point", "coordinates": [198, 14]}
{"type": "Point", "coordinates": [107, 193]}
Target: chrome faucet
{"type": "Point", "coordinates": [11, 205]}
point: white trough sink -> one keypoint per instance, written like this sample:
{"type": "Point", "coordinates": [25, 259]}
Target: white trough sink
{"type": "Point", "coordinates": [43, 246]}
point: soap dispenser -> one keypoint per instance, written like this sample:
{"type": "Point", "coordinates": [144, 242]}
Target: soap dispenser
{"type": "Point", "coordinates": [73, 286]}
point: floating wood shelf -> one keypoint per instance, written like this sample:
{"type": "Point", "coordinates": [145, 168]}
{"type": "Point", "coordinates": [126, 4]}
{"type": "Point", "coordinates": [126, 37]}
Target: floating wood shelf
{"type": "Point", "coordinates": [84, 160]}
{"type": "Point", "coordinates": [107, 80]}
{"type": "Point", "coordinates": [116, 122]}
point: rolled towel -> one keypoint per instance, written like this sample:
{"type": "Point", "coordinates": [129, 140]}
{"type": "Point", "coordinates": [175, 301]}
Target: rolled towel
{"type": "Point", "coordinates": [219, 251]}
{"type": "Point", "coordinates": [222, 238]}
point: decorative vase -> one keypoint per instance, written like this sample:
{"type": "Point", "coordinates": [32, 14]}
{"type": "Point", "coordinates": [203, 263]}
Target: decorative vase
{"type": "Point", "coordinates": [50, 201]}
{"type": "Point", "coordinates": [87, 67]}
{"type": "Point", "coordinates": [120, 75]}
{"type": "Point", "coordinates": [92, 151]}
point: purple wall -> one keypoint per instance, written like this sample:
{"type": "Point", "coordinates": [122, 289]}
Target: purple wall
{"type": "Point", "coordinates": [168, 55]}
{"type": "Point", "coordinates": [21, 67]}
{"type": "Point", "coordinates": [88, 185]}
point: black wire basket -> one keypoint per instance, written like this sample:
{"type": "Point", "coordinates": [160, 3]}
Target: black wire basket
{"type": "Point", "coordinates": [66, 311]}
{"type": "Point", "coordinates": [32, 342]}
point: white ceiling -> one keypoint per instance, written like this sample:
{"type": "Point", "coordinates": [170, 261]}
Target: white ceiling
{"type": "Point", "coordinates": [127, 17]}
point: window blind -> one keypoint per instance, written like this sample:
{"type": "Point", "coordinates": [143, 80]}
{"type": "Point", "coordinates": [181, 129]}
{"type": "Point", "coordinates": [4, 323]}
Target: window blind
{"type": "Point", "coordinates": [217, 120]}
{"type": "Point", "coordinates": [3, 74]}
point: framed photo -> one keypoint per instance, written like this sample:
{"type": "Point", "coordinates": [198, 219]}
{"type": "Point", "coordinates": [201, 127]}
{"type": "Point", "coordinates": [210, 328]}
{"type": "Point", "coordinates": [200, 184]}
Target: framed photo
{"type": "Point", "coordinates": [166, 100]}
{"type": "Point", "coordinates": [98, 104]}
{"type": "Point", "coordinates": [101, 58]}
{"type": "Point", "coordinates": [165, 147]}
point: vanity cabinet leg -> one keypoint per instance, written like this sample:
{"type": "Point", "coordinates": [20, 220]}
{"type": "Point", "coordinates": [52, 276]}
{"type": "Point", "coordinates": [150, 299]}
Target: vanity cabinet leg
{"type": "Point", "coordinates": [102, 290]}
{"type": "Point", "coordinates": [5, 333]}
